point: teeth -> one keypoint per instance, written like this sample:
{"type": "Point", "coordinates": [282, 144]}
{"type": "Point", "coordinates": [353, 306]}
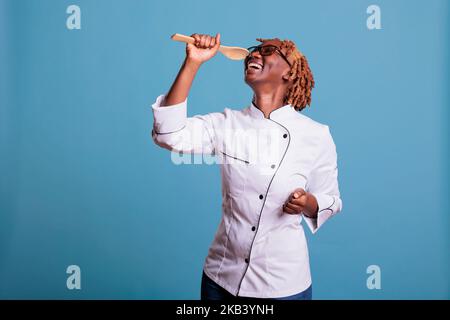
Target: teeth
{"type": "Point", "coordinates": [255, 65]}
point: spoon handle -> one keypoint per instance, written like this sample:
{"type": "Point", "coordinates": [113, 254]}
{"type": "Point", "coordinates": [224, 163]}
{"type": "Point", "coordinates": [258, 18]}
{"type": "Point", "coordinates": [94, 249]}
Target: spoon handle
{"type": "Point", "coordinates": [182, 38]}
{"type": "Point", "coordinates": [187, 39]}
{"type": "Point", "coordinates": [233, 53]}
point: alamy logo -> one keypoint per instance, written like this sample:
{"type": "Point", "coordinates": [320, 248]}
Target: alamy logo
{"type": "Point", "coordinates": [74, 20]}
{"type": "Point", "coordinates": [374, 280]}
{"type": "Point", "coordinates": [74, 280]}
{"type": "Point", "coordinates": [262, 147]}
{"type": "Point", "coordinates": [374, 20]}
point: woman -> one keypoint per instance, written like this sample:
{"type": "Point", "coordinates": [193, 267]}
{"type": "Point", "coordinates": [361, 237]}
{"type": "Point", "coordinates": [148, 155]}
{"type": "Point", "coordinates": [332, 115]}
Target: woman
{"type": "Point", "coordinates": [278, 168]}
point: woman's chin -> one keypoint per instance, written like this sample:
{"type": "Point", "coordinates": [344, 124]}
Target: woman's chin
{"type": "Point", "coordinates": [251, 74]}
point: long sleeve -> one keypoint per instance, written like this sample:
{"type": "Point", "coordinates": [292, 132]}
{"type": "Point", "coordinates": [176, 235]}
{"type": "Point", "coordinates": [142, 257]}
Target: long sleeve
{"type": "Point", "coordinates": [173, 130]}
{"type": "Point", "coordinates": [323, 183]}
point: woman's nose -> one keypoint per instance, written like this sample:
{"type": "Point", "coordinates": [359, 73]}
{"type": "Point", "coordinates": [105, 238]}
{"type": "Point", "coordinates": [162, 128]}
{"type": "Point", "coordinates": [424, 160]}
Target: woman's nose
{"type": "Point", "coordinates": [252, 54]}
{"type": "Point", "coordinates": [255, 52]}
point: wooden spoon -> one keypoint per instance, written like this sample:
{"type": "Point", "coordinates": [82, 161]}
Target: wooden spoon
{"type": "Point", "coordinates": [233, 53]}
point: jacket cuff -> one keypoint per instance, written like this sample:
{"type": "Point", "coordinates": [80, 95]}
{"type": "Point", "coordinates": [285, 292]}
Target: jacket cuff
{"type": "Point", "coordinates": [325, 203]}
{"type": "Point", "coordinates": [168, 119]}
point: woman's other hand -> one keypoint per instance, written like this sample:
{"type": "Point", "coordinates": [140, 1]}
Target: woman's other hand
{"type": "Point", "coordinates": [300, 202]}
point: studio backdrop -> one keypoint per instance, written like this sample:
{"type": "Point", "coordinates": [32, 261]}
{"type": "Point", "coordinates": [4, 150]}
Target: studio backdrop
{"type": "Point", "coordinates": [91, 208]}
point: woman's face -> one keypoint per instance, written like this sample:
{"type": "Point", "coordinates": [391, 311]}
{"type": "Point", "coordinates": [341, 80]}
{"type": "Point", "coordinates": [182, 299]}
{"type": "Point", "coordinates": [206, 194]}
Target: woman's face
{"type": "Point", "coordinates": [270, 70]}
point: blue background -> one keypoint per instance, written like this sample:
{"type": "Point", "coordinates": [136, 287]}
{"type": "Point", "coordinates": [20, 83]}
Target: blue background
{"type": "Point", "coordinates": [82, 182]}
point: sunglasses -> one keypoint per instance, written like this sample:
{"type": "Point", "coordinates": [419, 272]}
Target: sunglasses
{"type": "Point", "coordinates": [267, 51]}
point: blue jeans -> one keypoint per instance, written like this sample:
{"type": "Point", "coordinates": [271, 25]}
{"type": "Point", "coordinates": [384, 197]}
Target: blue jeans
{"type": "Point", "coordinates": [212, 291]}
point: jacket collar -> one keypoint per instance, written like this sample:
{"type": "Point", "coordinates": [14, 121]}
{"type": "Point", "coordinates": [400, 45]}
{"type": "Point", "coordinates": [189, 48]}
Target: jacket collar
{"type": "Point", "coordinates": [277, 114]}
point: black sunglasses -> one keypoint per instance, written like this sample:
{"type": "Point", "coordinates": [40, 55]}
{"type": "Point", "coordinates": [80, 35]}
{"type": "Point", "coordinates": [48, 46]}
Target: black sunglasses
{"type": "Point", "coordinates": [267, 51]}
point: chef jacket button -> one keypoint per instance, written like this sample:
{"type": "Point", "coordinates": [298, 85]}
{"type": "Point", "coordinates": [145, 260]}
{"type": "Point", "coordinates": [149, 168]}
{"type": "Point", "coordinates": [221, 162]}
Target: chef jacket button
{"type": "Point", "coordinates": [285, 135]}
{"type": "Point", "coordinates": [246, 260]}
{"type": "Point", "coordinates": [261, 196]}
{"type": "Point", "coordinates": [272, 166]}
{"type": "Point", "coordinates": [253, 228]}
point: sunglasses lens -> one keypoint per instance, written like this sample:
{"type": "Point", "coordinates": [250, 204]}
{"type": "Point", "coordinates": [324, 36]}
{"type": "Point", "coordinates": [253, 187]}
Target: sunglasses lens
{"type": "Point", "coordinates": [267, 50]}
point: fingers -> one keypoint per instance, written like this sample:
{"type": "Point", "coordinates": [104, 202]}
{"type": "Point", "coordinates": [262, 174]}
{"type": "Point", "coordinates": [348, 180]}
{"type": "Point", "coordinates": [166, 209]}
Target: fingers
{"type": "Point", "coordinates": [289, 210]}
{"type": "Point", "coordinates": [196, 38]}
{"type": "Point", "coordinates": [204, 41]}
{"type": "Point", "coordinates": [300, 201]}
{"type": "Point", "coordinates": [217, 40]}
{"type": "Point", "coordinates": [296, 202]}
{"type": "Point", "coordinates": [298, 193]}
{"type": "Point", "coordinates": [293, 208]}
{"type": "Point", "coordinates": [208, 41]}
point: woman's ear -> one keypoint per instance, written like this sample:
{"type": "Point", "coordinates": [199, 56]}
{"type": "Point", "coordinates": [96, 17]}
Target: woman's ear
{"type": "Point", "coordinates": [286, 75]}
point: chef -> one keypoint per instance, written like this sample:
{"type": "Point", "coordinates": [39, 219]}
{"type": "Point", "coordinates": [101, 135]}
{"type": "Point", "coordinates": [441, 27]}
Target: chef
{"type": "Point", "coordinates": [278, 169]}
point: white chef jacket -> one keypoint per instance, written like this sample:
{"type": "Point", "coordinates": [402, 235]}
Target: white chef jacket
{"type": "Point", "coordinates": [258, 250]}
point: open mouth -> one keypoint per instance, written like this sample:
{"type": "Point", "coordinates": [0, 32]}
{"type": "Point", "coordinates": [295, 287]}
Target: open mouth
{"type": "Point", "coordinates": [253, 65]}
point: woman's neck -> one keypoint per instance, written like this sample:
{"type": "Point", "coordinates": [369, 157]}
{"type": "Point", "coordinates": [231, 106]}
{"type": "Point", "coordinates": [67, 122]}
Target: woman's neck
{"type": "Point", "coordinates": [267, 102]}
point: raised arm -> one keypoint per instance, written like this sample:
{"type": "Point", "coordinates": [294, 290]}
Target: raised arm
{"type": "Point", "coordinates": [172, 129]}
{"type": "Point", "coordinates": [204, 49]}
